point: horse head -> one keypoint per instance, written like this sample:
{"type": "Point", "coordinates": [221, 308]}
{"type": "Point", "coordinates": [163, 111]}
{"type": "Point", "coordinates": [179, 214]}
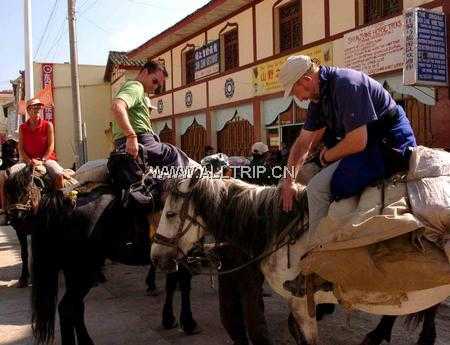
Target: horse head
{"type": "Point", "coordinates": [180, 227]}
{"type": "Point", "coordinates": [23, 193]}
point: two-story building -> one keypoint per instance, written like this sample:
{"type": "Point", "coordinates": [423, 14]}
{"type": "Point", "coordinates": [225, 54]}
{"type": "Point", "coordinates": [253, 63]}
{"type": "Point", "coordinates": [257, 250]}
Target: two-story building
{"type": "Point", "coordinates": [224, 58]}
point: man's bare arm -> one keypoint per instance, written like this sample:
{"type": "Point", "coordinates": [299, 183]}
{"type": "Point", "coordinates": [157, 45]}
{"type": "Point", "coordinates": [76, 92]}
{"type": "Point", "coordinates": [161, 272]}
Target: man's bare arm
{"type": "Point", "coordinates": [300, 149]}
{"type": "Point", "coordinates": [119, 111]}
{"type": "Point", "coordinates": [354, 142]}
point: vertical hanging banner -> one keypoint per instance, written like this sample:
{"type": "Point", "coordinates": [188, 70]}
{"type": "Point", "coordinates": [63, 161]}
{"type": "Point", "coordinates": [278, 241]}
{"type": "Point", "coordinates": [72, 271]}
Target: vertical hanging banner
{"type": "Point", "coordinates": [425, 48]}
{"type": "Point", "coordinates": [47, 85]}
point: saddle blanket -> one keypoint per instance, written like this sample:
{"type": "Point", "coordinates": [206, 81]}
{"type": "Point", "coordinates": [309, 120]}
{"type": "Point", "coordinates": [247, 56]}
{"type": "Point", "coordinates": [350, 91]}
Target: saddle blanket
{"type": "Point", "coordinates": [392, 239]}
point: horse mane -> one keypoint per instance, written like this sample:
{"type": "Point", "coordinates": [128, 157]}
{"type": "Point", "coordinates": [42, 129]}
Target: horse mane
{"type": "Point", "coordinates": [247, 215]}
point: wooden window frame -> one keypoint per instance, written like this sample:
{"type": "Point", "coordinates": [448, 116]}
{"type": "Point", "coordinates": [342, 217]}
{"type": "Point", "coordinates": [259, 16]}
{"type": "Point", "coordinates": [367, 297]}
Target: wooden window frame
{"type": "Point", "coordinates": [276, 25]}
{"type": "Point", "coordinates": [234, 42]}
{"type": "Point", "coordinates": [222, 34]}
{"type": "Point", "coordinates": [187, 49]}
{"type": "Point", "coordinates": [367, 20]}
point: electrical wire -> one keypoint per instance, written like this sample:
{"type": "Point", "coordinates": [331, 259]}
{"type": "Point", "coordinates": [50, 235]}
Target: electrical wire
{"type": "Point", "coordinates": [46, 28]}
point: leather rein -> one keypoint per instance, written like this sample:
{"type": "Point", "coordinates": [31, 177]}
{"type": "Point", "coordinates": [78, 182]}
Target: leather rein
{"type": "Point", "coordinates": [182, 230]}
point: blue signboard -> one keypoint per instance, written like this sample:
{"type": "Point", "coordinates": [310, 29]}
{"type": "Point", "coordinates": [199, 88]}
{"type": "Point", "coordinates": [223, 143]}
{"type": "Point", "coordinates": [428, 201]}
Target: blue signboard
{"type": "Point", "coordinates": [426, 48]}
{"type": "Point", "coordinates": [207, 59]}
{"type": "Point", "coordinates": [431, 47]}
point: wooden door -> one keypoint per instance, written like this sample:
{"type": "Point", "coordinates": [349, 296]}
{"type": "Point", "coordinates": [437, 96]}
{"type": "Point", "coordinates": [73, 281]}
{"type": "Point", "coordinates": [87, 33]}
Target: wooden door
{"type": "Point", "coordinates": [193, 141]}
{"type": "Point", "coordinates": [167, 135]}
{"type": "Point", "coordinates": [236, 138]}
{"type": "Point", "coordinates": [419, 115]}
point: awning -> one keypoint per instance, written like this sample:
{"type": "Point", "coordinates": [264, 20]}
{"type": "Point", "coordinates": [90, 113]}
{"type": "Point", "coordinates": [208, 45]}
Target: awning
{"type": "Point", "coordinates": [423, 94]}
{"type": "Point", "coordinates": [185, 122]}
{"type": "Point", "coordinates": [275, 106]}
{"type": "Point", "coordinates": [222, 116]}
{"type": "Point", "coordinates": [158, 126]}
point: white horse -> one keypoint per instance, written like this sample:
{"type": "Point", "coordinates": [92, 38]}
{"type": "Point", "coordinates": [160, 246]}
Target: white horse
{"type": "Point", "coordinates": [249, 217]}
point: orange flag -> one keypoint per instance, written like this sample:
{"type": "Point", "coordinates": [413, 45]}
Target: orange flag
{"type": "Point", "coordinates": [21, 107]}
{"type": "Point", "coordinates": [46, 95]}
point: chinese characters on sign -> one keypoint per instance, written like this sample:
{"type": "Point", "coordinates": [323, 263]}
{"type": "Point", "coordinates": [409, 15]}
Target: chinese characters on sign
{"type": "Point", "coordinates": [207, 59]}
{"type": "Point", "coordinates": [376, 48]}
{"type": "Point", "coordinates": [265, 76]}
{"type": "Point", "coordinates": [425, 48]}
{"type": "Point", "coordinates": [47, 79]}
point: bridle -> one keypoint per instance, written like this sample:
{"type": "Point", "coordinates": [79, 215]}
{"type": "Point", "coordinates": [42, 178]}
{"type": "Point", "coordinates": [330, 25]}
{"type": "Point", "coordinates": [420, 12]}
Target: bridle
{"type": "Point", "coordinates": [32, 191]}
{"type": "Point", "coordinates": [182, 230]}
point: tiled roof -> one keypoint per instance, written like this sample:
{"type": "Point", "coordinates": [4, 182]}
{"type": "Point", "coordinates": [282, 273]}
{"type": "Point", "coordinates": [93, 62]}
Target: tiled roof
{"type": "Point", "coordinates": [120, 59]}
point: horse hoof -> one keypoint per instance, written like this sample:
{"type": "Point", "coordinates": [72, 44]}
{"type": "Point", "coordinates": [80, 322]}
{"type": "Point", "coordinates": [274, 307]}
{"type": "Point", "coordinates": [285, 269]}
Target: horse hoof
{"type": "Point", "coordinates": [152, 292]}
{"type": "Point", "coordinates": [195, 329]}
{"type": "Point", "coordinates": [169, 322]}
{"type": "Point", "coordinates": [368, 340]}
{"type": "Point", "coordinates": [22, 283]}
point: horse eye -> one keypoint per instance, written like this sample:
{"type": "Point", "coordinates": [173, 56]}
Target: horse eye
{"type": "Point", "coordinates": [170, 214]}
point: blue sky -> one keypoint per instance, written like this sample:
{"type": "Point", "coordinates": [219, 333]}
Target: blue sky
{"type": "Point", "coordinates": [103, 25]}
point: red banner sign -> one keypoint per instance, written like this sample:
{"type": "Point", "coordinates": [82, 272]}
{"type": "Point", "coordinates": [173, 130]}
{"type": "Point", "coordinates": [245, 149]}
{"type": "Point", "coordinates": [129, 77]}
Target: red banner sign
{"type": "Point", "coordinates": [47, 84]}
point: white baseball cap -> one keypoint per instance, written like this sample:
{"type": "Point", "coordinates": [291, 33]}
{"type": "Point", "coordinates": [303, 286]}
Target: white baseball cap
{"type": "Point", "coordinates": [293, 69]}
{"type": "Point", "coordinates": [259, 148]}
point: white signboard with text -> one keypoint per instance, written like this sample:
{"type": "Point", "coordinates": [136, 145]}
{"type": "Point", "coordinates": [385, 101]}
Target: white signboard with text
{"type": "Point", "coordinates": [425, 48]}
{"type": "Point", "coordinates": [376, 48]}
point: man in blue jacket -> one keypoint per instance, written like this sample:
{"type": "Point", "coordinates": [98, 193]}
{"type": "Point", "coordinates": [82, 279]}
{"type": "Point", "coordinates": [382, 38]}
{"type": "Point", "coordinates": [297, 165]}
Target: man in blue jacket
{"type": "Point", "coordinates": [367, 136]}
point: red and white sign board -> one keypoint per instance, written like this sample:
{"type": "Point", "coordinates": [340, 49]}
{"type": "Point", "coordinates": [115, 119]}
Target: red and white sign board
{"type": "Point", "coordinates": [376, 48]}
{"type": "Point", "coordinates": [47, 83]}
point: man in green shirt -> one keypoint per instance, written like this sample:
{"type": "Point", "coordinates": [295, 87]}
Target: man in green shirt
{"type": "Point", "coordinates": [131, 114]}
{"type": "Point", "coordinates": [130, 107]}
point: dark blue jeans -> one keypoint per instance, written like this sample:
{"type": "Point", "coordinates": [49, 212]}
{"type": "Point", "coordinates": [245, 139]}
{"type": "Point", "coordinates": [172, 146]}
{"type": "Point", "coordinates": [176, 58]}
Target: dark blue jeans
{"type": "Point", "coordinates": [387, 152]}
{"type": "Point", "coordinates": [157, 154]}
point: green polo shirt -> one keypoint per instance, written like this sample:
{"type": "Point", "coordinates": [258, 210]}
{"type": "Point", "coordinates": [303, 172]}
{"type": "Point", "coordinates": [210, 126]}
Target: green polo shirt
{"type": "Point", "coordinates": [132, 93]}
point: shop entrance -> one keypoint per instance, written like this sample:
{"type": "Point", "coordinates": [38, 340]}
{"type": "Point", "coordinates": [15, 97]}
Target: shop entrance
{"type": "Point", "coordinates": [286, 127]}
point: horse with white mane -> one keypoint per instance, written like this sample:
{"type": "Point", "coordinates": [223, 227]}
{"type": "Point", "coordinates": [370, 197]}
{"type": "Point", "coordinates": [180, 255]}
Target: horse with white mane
{"type": "Point", "coordinates": [250, 217]}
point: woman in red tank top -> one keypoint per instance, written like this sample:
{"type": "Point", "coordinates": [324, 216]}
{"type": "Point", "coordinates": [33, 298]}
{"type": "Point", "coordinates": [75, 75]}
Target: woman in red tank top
{"type": "Point", "coordinates": [37, 142]}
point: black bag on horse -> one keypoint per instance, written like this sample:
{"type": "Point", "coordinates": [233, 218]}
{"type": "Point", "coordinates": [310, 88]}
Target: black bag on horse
{"type": "Point", "coordinates": [138, 195]}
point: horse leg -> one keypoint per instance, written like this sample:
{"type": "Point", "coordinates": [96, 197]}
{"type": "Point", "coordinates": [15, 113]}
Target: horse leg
{"type": "Point", "coordinates": [150, 280]}
{"type": "Point", "coordinates": [382, 332]}
{"type": "Point", "coordinates": [231, 312]}
{"type": "Point", "coordinates": [251, 290]}
{"type": "Point", "coordinates": [80, 326]}
{"type": "Point", "coordinates": [187, 322]}
{"type": "Point", "coordinates": [428, 334]}
{"type": "Point", "coordinates": [302, 325]}
{"type": "Point", "coordinates": [24, 276]}
{"type": "Point", "coordinates": [66, 319]}
{"type": "Point", "coordinates": [71, 315]}
{"type": "Point", "coordinates": [168, 318]}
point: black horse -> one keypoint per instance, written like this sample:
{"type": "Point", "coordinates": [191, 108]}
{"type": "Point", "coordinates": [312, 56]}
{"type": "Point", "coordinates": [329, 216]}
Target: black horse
{"type": "Point", "coordinates": [10, 156]}
{"type": "Point", "coordinates": [75, 237]}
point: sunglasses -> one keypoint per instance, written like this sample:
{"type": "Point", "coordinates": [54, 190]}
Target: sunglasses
{"type": "Point", "coordinates": [35, 107]}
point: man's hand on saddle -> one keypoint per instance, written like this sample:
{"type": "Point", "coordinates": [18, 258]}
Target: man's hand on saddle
{"type": "Point", "coordinates": [288, 192]}
{"type": "Point", "coordinates": [132, 146]}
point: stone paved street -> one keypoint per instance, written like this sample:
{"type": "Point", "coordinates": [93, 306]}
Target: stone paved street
{"type": "Point", "coordinates": [119, 312]}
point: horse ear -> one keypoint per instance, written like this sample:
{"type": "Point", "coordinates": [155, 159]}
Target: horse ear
{"type": "Point", "coordinates": [195, 177]}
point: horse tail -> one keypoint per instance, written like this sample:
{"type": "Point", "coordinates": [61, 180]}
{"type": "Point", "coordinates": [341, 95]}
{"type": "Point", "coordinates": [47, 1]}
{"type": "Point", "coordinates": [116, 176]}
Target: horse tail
{"type": "Point", "coordinates": [46, 264]}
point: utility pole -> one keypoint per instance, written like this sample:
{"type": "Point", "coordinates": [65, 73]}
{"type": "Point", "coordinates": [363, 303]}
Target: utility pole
{"type": "Point", "coordinates": [77, 124]}
{"type": "Point", "coordinates": [29, 81]}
